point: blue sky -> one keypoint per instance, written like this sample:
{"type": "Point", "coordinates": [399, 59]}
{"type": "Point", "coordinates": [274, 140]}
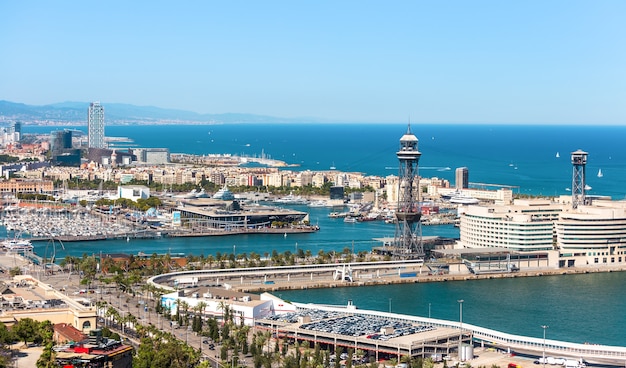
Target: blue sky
{"type": "Point", "coordinates": [547, 61]}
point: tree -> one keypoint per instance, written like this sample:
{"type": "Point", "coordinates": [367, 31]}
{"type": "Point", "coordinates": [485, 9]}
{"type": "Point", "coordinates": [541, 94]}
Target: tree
{"type": "Point", "coordinates": [6, 338]}
{"type": "Point", "coordinates": [45, 336]}
{"type": "Point", "coordinates": [26, 330]}
{"type": "Point", "coordinates": [164, 351]}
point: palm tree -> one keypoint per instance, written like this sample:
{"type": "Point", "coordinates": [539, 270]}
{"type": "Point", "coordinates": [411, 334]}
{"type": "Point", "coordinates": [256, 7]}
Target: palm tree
{"type": "Point", "coordinates": [184, 306]}
{"type": "Point", "coordinates": [198, 310]}
{"type": "Point", "coordinates": [112, 313]}
{"type": "Point", "coordinates": [224, 308]}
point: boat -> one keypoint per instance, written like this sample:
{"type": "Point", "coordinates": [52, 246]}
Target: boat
{"type": "Point", "coordinates": [17, 245]}
{"type": "Point", "coordinates": [338, 214]}
{"type": "Point", "coordinates": [463, 199]}
{"type": "Point", "coordinates": [350, 219]}
{"type": "Point", "coordinates": [600, 173]}
{"type": "Point", "coordinates": [558, 155]}
{"type": "Point", "coordinates": [224, 194]}
{"type": "Point", "coordinates": [319, 203]}
{"type": "Point", "coordinates": [291, 199]}
{"type": "Point", "coordinates": [191, 194]}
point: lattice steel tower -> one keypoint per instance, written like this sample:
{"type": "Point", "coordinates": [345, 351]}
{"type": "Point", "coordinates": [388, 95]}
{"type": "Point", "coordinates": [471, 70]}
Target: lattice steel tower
{"type": "Point", "coordinates": [408, 237]}
{"type": "Point", "coordinates": [579, 160]}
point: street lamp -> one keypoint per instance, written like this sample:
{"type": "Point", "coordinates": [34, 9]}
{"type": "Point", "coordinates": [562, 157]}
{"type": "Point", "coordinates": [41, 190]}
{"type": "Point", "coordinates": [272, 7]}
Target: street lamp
{"type": "Point", "coordinates": [460, 325]}
{"type": "Point", "coordinates": [543, 360]}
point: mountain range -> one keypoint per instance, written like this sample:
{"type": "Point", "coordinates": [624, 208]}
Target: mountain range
{"type": "Point", "coordinates": [120, 114]}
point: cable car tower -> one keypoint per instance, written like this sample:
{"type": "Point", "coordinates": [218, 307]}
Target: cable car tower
{"type": "Point", "coordinates": [408, 236]}
{"type": "Point", "coordinates": [579, 160]}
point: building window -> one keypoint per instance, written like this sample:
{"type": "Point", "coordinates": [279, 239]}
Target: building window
{"type": "Point", "coordinates": [86, 325]}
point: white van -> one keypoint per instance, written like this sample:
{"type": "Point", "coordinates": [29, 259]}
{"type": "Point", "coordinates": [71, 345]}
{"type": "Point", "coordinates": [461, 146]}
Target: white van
{"type": "Point", "coordinates": [571, 363]}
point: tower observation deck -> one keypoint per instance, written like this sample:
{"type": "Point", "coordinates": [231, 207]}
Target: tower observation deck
{"type": "Point", "coordinates": [408, 236]}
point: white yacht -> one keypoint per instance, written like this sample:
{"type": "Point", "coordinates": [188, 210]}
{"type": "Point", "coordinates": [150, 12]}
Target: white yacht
{"type": "Point", "coordinates": [17, 245]}
{"type": "Point", "coordinates": [463, 199]}
{"type": "Point", "coordinates": [224, 194]}
{"type": "Point", "coordinates": [319, 203]}
{"type": "Point", "coordinates": [291, 199]}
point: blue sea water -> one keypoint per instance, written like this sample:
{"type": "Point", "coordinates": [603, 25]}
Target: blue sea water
{"type": "Point", "coordinates": [523, 156]}
{"type": "Point", "coordinates": [579, 308]}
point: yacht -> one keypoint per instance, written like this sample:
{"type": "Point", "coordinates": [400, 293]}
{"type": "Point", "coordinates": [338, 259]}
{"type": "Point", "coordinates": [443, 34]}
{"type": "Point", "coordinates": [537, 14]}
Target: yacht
{"type": "Point", "coordinates": [319, 203]}
{"type": "Point", "coordinates": [463, 199]}
{"type": "Point", "coordinates": [291, 199]}
{"type": "Point", "coordinates": [17, 245]}
{"type": "Point", "coordinates": [600, 173]}
{"type": "Point", "coordinates": [224, 194]}
{"type": "Point", "coordinates": [189, 195]}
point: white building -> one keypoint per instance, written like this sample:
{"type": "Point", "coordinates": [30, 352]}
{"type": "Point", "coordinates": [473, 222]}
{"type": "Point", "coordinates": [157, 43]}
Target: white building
{"type": "Point", "coordinates": [133, 192]}
{"type": "Point", "coordinates": [242, 306]}
{"type": "Point", "coordinates": [152, 156]}
{"type": "Point", "coordinates": [588, 235]}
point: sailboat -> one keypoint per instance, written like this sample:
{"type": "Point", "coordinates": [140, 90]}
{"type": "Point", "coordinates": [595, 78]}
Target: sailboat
{"type": "Point", "coordinates": [600, 174]}
{"type": "Point", "coordinates": [558, 155]}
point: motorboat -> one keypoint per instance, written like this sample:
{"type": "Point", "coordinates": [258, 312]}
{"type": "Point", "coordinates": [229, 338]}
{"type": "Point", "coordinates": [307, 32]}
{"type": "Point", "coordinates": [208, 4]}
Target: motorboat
{"type": "Point", "coordinates": [291, 199]}
{"type": "Point", "coordinates": [191, 194]}
{"type": "Point", "coordinates": [319, 203]}
{"type": "Point", "coordinates": [463, 199]}
{"type": "Point", "coordinates": [17, 245]}
{"type": "Point", "coordinates": [224, 194]}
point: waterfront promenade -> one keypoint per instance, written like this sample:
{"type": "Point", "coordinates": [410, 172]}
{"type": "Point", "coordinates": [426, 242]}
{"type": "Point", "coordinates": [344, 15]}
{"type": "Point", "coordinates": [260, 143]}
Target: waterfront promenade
{"type": "Point", "coordinates": [486, 339]}
{"type": "Point", "coordinates": [299, 277]}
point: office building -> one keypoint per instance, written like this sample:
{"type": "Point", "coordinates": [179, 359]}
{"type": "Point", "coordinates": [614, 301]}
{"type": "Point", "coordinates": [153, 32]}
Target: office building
{"type": "Point", "coordinates": [593, 234]}
{"type": "Point", "coordinates": [95, 124]}
{"type": "Point", "coordinates": [461, 178]}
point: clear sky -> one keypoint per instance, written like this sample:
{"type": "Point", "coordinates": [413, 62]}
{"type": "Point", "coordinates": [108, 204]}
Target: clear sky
{"type": "Point", "coordinates": [531, 61]}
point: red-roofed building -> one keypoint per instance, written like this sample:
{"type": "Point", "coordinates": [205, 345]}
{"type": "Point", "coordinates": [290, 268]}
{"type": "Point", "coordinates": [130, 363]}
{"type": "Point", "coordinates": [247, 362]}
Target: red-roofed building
{"type": "Point", "coordinates": [110, 354]}
{"type": "Point", "coordinates": [64, 333]}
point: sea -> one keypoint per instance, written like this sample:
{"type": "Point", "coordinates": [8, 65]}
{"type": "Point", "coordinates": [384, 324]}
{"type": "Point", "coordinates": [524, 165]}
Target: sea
{"type": "Point", "coordinates": [533, 160]}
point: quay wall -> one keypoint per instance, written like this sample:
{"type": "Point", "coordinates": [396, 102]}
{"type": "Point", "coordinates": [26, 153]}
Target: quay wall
{"type": "Point", "coordinates": [315, 276]}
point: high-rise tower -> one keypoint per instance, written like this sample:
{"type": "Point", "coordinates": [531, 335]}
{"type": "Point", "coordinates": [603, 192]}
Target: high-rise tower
{"type": "Point", "coordinates": [408, 237]}
{"type": "Point", "coordinates": [95, 124]}
{"type": "Point", "coordinates": [579, 160]}
{"type": "Point", "coordinates": [461, 177]}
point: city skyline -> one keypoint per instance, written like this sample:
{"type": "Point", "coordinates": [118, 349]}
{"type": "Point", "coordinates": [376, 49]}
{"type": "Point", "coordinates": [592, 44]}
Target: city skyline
{"type": "Point", "coordinates": [461, 62]}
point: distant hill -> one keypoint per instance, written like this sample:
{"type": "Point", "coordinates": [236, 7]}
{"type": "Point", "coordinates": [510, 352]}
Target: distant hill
{"type": "Point", "coordinates": [117, 113]}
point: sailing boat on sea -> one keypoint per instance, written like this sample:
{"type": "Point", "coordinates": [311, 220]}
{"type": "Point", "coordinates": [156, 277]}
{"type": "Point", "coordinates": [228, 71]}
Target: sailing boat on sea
{"type": "Point", "coordinates": [600, 174]}
{"type": "Point", "coordinates": [558, 155]}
